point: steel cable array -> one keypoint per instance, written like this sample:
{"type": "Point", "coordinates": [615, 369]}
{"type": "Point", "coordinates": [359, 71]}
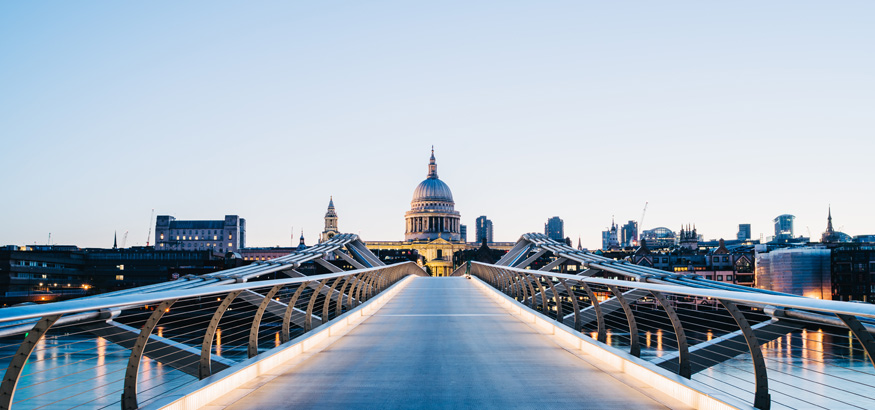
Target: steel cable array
{"type": "Point", "coordinates": [144, 345]}
{"type": "Point", "coordinates": [830, 364]}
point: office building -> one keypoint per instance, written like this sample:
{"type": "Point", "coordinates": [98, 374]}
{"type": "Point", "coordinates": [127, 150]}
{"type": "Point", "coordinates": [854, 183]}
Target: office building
{"type": "Point", "coordinates": [483, 229]}
{"type": "Point", "coordinates": [629, 234]}
{"type": "Point", "coordinates": [743, 232]}
{"type": "Point", "coordinates": [228, 235]}
{"type": "Point", "coordinates": [555, 229]}
{"type": "Point", "coordinates": [784, 228]}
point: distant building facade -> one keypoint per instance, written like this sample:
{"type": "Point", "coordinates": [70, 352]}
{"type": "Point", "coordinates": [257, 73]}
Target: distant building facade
{"type": "Point", "coordinates": [432, 227]}
{"type": "Point", "coordinates": [555, 229]}
{"type": "Point", "coordinates": [610, 238]}
{"type": "Point", "coordinates": [718, 263]}
{"type": "Point", "coordinates": [50, 273]}
{"type": "Point", "coordinates": [330, 222]}
{"type": "Point", "coordinates": [660, 237]}
{"type": "Point", "coordinates": [688, 238]}
{"type": "Point", "coordinates": [743, 232]}
{"type": "Point", "coordinates": [228, 235]}
{"type": "Point", "coordinates": [629, 234]}
{"type": "Point", "coordinates": [831, 235]}
{"type": "Point", "coordinates": [784, 228]}
{"type": "Point", "coordinates": [483, 229]}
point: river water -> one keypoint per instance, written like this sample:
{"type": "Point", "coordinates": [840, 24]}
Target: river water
{"type": "Point", "coordinates": [807, 369]}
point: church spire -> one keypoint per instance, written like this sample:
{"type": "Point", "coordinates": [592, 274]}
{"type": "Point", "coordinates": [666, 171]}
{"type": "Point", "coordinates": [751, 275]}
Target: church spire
{"type": "Point", "coordinates": [432, 166]}
{"type": "Point", "coordinates": [115, 240]}
{"type": "Point", "coordinates": [829, 220]}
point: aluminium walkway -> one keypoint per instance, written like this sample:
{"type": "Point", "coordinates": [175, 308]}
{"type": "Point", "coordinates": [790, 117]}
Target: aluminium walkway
{"type": "Point", "coordinates": [442, 343]}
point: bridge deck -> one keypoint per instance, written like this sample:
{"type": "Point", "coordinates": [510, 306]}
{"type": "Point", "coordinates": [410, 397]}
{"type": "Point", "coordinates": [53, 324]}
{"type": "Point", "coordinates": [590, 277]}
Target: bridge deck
{"type": "Point", "coordinates": [440, 343]}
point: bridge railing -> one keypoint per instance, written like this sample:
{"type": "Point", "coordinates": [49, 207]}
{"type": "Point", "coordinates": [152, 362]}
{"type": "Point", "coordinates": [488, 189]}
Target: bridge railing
{"type": "Point", "coordinates": [772, 351]}
{"type": "Point", "coordinates": [128, 350]}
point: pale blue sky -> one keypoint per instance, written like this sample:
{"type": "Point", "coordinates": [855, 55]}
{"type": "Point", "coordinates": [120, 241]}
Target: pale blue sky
{"type": "Point", "coordinates": [716, 113]}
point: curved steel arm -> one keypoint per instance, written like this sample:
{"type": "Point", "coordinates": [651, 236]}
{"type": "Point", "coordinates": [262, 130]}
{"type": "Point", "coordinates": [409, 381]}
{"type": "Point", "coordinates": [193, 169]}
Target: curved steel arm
{"type": "Point", "coordinates": [339, 308]}
{"type": "Point", "coordinates": [287, 317]}
{"type": "Point", "coordinates": [308, 321]}
{"type": "Point", "coordinates": [684, 367]}
{"type": "Point", "coordinates": [204, 368]}
{"type": "Point", "coordinates": [864, 337]}
{"type": "Point", "coordinates": [327, 304]}
{"type": "Point", "coordinates": [634, 342]}
{"type": "Point", "coordinates": [543, 295]}
{"type": "Point", "coordinates": [13, 372]}
{"type": "Point", "coordinates": [559, 315]}
{"type": "Point", "coordinates": [761, 395]}
{"type": "Point", "coordinates": [129, 396]}
{"type": "Point", "coordinates": [600, 319]}
{"type": "Point", "coordinates": [252, 350]}
{"type": "Point", "coordinates": [573, 303]}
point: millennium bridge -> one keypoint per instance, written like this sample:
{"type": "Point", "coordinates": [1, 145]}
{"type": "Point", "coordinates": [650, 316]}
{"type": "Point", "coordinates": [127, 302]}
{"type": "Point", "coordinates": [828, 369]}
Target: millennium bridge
{"type": "Point", "coordinates": [503, 335]}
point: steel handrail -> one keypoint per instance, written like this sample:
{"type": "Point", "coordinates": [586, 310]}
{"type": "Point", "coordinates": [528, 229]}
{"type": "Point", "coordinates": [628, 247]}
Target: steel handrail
{"type": "Point", "coordinates": [76, 306]}
{"type": "Point", "coordinates": [830, 306]}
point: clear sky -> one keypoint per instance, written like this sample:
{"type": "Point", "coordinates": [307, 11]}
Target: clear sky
{"type": "Point", "coordinates": [717, 113]}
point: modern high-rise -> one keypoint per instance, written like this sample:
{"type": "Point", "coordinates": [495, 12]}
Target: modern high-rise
{"type": "Point", "coordinates": [555, 229]}
{"type": "Point", "coordinates": [784, 227]}
{"type": "Point", "coordinates": [226, 235]}
{"type": "Point", "coordinates": [483, 229]}
{"type": "Point", "coordinates": [743, 232]}
{"type": "Point", "coordinates": [629, 234]}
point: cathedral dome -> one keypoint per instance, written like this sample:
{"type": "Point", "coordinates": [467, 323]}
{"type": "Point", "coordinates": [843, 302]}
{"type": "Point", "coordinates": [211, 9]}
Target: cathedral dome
{"type": "Point", "coordinates": [432, 215]}
{"type": "Point", "coordinates": [432, 189]}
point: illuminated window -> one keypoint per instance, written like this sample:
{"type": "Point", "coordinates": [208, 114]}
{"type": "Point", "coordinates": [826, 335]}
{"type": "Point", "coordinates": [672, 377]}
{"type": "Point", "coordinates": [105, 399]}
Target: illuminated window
{"type": "Point", "coordinates": [195, 238]}
{"type": "Point", "coordinates": [229, 244]}
{"type": "Point", "coordinates": [177, 237]}
{"type": "Point", "coordinates": [119, 277]}
{"type": "Point", "coordinates": [162, 236]}
{"type": "Point", "coordinates": [215, 237]}
{"type": "Point", "coordinates": [120, 267]}
{"type": "Point", "coordinates": [229, 236]}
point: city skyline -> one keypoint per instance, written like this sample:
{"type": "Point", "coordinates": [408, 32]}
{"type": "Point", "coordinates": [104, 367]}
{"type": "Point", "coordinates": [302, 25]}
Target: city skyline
{"type": "Point", "coordinates": [111, 110]}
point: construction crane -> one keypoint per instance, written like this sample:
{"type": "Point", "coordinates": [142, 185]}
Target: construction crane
{"type": "Point", "coordinates": [641, 221]}
{"type": "Point", "coordinates": [149, 235]}
{"type": "Point", "coordinates": [124, 239]}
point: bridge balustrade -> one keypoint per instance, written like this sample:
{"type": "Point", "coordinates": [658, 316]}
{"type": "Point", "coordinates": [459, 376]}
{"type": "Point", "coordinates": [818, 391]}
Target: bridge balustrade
{"type": "Point", "coordinates": [773, 351]}
{"type": "Point", "coordinates": [128, 350]}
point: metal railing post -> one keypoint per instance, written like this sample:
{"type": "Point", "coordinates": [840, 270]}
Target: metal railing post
{"type": "Point", "coordinates": [863, 336]}
{"type": "Point", "coordinates": [252, 350]}
{"type": "Point", "coordinates": [531, 289]}
{"type": "Point", "coordinates": [602, 335]}
{"type": "Point", "coordinates": [287, 316]}
{"type": "Point", "coordinates": [684, 366]}
{"type": "Point", "coordinates": [558, 301]}
{"type": "Point", "coordinates": [543, 295]}
{"type": "Point", "coordinates": [761, 400]}
{"type": "Point", "coordinates": [341, 292]}
{"type": "Point", "coordinates": [204, 367]}
{"type": "Point", "coordinates": [129, 396]}
{"type": "Point", "coordinates": [13, 372]}
{"type": "Point", "coordinates": [634, 342]}
{"type": "Point", "coordinates": [308, 321]}
{"type": "Point", "coordinates": [573, 304]}
{"type": "Point", "coordinates": [326, 305]}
